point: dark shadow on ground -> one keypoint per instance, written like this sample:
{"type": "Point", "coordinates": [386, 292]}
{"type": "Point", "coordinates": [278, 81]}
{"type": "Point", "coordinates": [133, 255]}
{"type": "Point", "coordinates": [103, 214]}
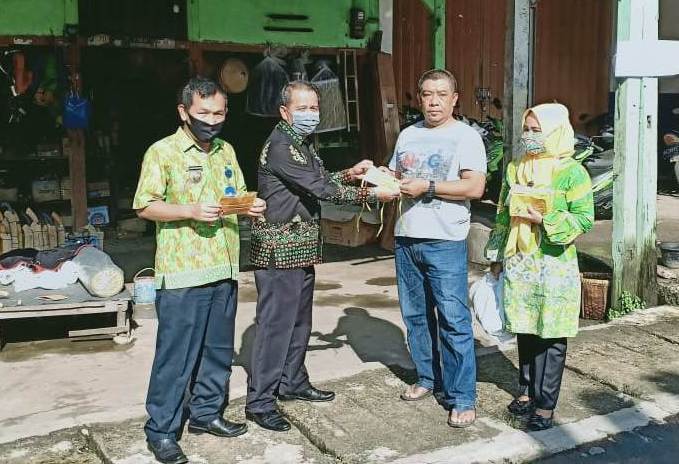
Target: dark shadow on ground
{"type": "Point", "coordinates": [498, 369]}
{"type": "Point", "coordinates": [667, 381]}
{"type": "Point", "coordinates": [373, 340]}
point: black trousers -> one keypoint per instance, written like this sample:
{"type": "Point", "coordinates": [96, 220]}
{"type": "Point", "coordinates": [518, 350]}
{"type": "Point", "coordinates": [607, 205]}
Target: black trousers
{"type": "Point", "coordinates": [194, 348]}
{"type": "Point", "coordinates": [282, 331]}
{"type": "Point", "coordinates": [541, 365]}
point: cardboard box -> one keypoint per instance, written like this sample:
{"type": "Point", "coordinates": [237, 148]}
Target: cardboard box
{"type": "Point", "coordinates": [98, 215]}
{"type": "Point", "coordinates": [46, 190]}
{"type": "Point", "coordinates": [348, 233]}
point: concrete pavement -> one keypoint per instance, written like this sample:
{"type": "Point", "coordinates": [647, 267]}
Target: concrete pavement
{"type": "Point", "coordinates": [89, 395]}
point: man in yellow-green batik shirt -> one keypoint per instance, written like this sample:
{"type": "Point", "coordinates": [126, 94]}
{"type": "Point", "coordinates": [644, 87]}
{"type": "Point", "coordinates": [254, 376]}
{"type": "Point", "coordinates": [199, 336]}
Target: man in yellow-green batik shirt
{"type": "Point", "coordinates": [182, 179]}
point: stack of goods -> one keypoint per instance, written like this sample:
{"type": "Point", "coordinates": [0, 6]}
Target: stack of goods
{"type": "Point", "coordinates": [29, 230]}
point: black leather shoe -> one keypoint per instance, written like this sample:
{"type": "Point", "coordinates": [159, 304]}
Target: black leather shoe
{"type": "Point", "coordinates": [219, 428]}
{"type": "Point", "coordinates": [270, 420]}
{"type": "Point", "coordinates": [167, 451]}
{"type": "Point", "coordinates": [309, 394]}
{"type": "Point", "coordinates": [537, 422]}
{"type": "Point", "coordinates": [521, 408]}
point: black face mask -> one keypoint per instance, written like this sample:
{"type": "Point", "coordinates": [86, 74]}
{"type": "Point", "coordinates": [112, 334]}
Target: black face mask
{"type": "Point", "coordinates": [203, 131]}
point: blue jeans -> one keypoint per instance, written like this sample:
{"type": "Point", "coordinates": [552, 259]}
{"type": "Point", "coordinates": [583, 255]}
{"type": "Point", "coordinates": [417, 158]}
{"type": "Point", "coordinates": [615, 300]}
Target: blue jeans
{"type": "Point", "coordinates": [433, 274]}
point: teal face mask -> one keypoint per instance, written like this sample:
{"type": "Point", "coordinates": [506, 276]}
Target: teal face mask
{"type": "Point", "coordinates": [534, 142]}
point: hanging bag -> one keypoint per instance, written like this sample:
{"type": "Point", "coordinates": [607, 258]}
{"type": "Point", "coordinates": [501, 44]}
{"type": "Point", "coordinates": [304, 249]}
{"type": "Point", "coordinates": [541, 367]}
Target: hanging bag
{"type": "Point", "coordinates": [76, 111]}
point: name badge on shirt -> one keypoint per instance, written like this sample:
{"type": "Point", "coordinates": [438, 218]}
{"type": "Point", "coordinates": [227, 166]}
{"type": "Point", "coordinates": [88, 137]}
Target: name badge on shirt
{"type": "Point", "coordinates": [195, 174]}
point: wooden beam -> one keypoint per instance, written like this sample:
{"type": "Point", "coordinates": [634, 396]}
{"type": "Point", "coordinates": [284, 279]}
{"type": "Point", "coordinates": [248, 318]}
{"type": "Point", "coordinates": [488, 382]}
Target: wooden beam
{"type": "Point", "coordinates": [77, 153]}
{"type": "Point", "coordinates": [635, 166]}
{"type": "Point", "coordinates": [518, 74]}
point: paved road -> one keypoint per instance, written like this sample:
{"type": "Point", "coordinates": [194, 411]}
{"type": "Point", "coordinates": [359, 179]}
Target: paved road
{"type": "Point", "coordinates": [653, 444]}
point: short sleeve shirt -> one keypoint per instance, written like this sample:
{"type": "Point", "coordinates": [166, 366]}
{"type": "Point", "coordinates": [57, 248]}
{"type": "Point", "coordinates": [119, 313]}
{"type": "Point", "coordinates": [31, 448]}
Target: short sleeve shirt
{"type": "Point", "coordinates": [191, 253]}
{"type": "Point", "coordinates": [438, 154]}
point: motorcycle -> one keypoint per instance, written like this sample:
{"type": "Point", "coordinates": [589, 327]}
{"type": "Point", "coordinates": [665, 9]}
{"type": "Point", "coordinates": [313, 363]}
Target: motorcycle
{"type": "Point", "coordinates": [671, 151]}
{"type": "Point", "coordinates": [596, 154]}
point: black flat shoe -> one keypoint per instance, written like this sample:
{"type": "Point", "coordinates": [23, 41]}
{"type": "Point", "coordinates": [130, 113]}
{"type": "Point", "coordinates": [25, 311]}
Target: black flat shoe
{"type": "Point", "coordinates": [521, 408]}
{"type": "Point", "coordinates": [167, 451]}
{"type": "Point", "coordinates": [537, 422]}
{"type": "Point", "coordinates": [219, 428]}
{"type": "Point", "coordinates": [309, 394]}
{"type": "Point", "coordinates": [270, 420]}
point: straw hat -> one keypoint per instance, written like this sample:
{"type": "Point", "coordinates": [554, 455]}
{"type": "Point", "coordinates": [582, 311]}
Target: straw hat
{"type": "Point", "coordinates": [233, 75]}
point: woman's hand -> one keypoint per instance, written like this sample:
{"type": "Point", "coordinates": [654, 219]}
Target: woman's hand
{"type": "Point", "coordinates": [495, 269]}
{"type": "Point", "coordinates": [534, 215]}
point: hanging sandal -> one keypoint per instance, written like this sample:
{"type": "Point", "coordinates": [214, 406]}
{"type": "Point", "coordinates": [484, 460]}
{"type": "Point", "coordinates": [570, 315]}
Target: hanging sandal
{"type": "Point", "coordinates": [521, 407]}
{"type": "Point", "coordinates": [537, 422]}
{"type": "Point", "coordinates": [458, 424]}
{"type": "Point", "coordinates": [408, 393]}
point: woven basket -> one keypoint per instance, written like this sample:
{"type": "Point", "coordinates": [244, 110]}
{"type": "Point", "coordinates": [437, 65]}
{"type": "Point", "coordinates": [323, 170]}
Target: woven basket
{"type": "Point", "coordinates": [595, 295]}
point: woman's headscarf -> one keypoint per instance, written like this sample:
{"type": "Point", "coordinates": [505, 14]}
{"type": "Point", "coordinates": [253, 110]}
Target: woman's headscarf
{"type": "Point", "coordinates": [537, 170]}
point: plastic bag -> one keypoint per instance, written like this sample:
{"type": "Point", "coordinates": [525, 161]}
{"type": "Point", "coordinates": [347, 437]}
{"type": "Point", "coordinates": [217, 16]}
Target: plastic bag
{"type": "Point", "coordinates": [297, 67]}
{"type": "Point", "coordinates": [485, 296]}
{"type": "Point", "coordinates": [76, 112]}
{"type": "Point", "coordinates": [266, 82]}
{"type": "Point", "coordinates": [97, 272]}
{"type": "Point", "coordinates": [333, 112]}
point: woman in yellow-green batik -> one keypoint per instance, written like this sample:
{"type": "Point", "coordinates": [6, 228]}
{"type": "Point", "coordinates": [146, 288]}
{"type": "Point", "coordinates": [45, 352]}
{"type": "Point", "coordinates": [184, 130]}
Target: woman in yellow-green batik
{"type": "Point", "coordinates": [534, 241]}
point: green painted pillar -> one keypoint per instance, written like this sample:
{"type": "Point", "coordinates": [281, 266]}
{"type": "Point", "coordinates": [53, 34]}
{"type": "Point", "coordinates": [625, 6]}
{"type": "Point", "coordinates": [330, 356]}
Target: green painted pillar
{"type": "Point", "coordinates": [635, 166]}
{"type": "Point", "coordinates": [438, 11]}
{"type": "Point", "coordinates": [70, 11]}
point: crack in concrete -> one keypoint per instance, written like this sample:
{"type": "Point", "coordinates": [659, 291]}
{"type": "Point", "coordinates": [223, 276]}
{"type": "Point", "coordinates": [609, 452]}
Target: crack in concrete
{"type": "Point", "coordinates": [661, 337]}
{"type": "Point", "coordinates": [623, 389]}
{"type": "Point", "coordinates": [316, 441]}
{"type": "Point", "coordinates": [97, 448]}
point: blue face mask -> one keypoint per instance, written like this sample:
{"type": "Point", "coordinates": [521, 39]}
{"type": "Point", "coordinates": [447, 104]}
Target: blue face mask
{"type": "Point", "coordinates": [305, 122]}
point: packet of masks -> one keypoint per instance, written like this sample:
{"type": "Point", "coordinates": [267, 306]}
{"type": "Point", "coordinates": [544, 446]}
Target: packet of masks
{"type": "Point", "coordinates": [521, 197]}
{"type": "Point", "coordinates": [382, 180]}
{"type": "Point", "coordinates": [240, 204]}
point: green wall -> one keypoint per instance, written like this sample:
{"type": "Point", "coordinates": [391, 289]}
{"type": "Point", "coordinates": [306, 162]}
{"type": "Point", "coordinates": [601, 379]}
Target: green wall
{"type": "Point", "coordinates": [238, 21]}
{"type": "Point", "coordinates": [244, 21]}
{"type": "Point", "coordinates": [36, 17]}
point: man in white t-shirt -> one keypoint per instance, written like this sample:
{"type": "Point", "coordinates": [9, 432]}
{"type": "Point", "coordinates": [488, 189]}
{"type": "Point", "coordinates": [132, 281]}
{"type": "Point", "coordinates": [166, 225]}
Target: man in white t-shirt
{"type": "Point", "coordinates": [442, 164]}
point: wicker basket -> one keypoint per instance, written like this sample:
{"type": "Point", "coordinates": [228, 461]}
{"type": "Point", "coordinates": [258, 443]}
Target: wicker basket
{"type": "Point", "coordinates": [595, 295]}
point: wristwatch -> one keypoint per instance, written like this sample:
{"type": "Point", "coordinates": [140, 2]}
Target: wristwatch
{"type": "Point", "coordinates": [431, 191]}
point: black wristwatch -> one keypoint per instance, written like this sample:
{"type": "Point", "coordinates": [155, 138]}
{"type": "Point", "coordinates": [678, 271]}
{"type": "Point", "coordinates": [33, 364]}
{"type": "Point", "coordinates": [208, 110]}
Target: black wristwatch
{"type": "Point", "coordinates": [431, 191]}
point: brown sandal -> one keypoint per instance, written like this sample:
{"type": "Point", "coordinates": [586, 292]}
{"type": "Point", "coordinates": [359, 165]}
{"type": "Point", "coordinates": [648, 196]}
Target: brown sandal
{"type": "Point", "coordinates": [461, 424]}
{"type": "Point", "coordinates": [408, 395]}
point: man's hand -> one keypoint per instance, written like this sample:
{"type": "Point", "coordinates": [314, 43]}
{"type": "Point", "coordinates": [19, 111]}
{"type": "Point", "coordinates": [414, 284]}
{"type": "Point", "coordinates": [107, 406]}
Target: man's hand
{"type": "Point", "coordinates": [386, 195]}
{"type": "Point", "coordinates": [360, 168]}
{"type": "Point", "coordinates": [386, 170]}
{"type": "Point", "coordinates": [414, 188]}
{"type": "Point", "coordinates": [534, 215]}
{"type": "Point", "coordinates": [204, 212]}
{"type": "Point", "coordinates": [258, 208]}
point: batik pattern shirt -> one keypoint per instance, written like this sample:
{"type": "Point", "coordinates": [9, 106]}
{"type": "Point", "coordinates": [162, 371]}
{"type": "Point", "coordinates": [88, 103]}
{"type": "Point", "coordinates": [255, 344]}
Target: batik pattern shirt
{"type": "Point", "coordinates": [292, 180]}
{"type": "Point", "coordinates": [542, 289]}
{"type": "Point", "coordinates": [192, 253]}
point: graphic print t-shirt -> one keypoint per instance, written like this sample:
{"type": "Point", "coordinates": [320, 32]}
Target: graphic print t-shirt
{"type": "Point", "coordinates": [438, 154]}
